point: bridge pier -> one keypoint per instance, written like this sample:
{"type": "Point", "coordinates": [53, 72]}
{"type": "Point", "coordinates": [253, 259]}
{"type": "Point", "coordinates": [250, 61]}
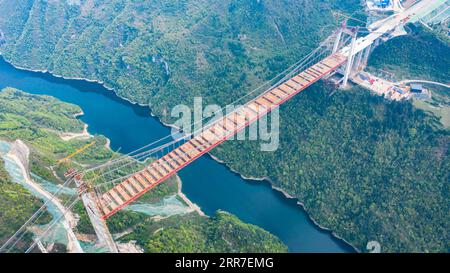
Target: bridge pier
{"type": "Point", "coordinates": [348, 68]}
{"type": "Point", "coordinates": [376, 43]}
{"type": "Point", "coordinates": [357, 66]}
{"type": "Point", "coordinates": [367, 52]}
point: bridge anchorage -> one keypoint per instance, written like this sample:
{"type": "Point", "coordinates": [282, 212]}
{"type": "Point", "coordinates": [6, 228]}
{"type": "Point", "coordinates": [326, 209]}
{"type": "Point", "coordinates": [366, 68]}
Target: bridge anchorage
{"type": "Point", "coordinates": [106, 189]}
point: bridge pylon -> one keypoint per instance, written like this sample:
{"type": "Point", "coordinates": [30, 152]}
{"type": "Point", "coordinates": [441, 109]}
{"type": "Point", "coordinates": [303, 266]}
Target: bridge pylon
{"type": "Point", "coordinates": [351, 56]}
{"type": "Point", "coordinates": [366, 53]}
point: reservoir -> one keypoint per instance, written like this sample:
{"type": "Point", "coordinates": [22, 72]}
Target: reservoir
{"type": "Point", "coordinates": [207, 183]}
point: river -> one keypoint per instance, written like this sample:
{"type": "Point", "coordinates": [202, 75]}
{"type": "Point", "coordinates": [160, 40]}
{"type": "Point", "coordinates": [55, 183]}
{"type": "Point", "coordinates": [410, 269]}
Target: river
{"type": "Point", "coordinates": [207, 183]}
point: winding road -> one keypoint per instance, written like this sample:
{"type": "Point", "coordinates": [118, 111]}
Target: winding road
{"type": "Point", "coordinates": [425, 81]}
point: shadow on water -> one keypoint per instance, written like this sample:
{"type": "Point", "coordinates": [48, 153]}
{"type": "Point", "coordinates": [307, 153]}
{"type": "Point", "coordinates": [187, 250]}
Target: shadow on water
{"type": "Point", "coordinates": [206, 182]}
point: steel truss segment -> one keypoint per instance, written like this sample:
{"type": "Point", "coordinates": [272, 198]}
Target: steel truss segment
{"type": "Point", "coordinates": [286, 89]}
{"type": "Point", "coordinates": [294, 85]}
{"type": "Point", "coordinates": [307, 76]}
{"type": "Point", "coordinates": [141, 180]}
{"type": "Point", "coordinates": [172, 163]}
{"type": "Point", "coordinates": [165, 165]}
{"type": "Point", "coordinates": [264, 103]}
{"type": "Point", "coordinates": [209, 136]}
{"type": "Point", "coordinates": [148, 177]}
{"type": "Point", "coordinates": [255, 107]}
{"type": "Point", "coordinates": [122, 193]}
{"type": "Point", "coordinates": [239, 120]}
{"type": "Point", "coordinates": [154, 173]}
{"type": "Point", "coordinates": [280, 94]}
{"type": "Point", "coordinates": [115, 197]}
{"type": "Point", "coordinates": [183, 153]}
{"type": "Point", "coordinates": [135, 184]}
{"type": "Point", "coordinates": [300, 80]}
{"type": "Point", "coordinates": [189, 150]}
{"type": "Point", "coordinates": [160, 170]}
{"type": "Point", "coordinates": [128, 186]}
{"type": "Point", "coordinates": [219, 131]}
{"type": "Point", "coordinates": [174, 157]}
{"type": "Point", "coordinates": [248, 113]}
{"type": "Point", "coordinates": [274, 99]}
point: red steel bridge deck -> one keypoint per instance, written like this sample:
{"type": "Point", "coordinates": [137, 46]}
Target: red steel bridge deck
{"type": "Point", "coordinates": [160, 170]}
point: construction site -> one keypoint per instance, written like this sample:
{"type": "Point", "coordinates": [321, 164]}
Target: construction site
{"type": "Point", "coordinates": [384, 83]}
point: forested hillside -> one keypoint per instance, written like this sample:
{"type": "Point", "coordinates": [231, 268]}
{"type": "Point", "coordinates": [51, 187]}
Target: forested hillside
{"type": "Point", "coordinates": [419, 55]}
{"type": "Point", "coordinates": [222, 233]}
{"type": "Point", "coordinates": [163, 53]}
{"type": "Point", "coordinates": [17, 204]}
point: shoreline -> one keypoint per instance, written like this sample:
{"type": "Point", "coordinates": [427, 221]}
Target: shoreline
{"type": "Point", "coordinates": [287, 196]}
{"type": "Point", "coordinates": [45, 71]}
{"type": "Point", "coordinates": [83, 135]}
{"type": "Point", "coordinates": [258, 179]}
{"type": "Point", "coordinates": [192, 206]}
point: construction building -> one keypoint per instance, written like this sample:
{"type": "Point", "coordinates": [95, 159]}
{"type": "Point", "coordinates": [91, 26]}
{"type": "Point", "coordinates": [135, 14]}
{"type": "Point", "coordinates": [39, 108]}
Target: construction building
{"type": "Point", "coordinates": [416, 88]}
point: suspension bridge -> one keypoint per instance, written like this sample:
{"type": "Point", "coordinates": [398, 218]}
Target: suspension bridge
{"type": "Point", "coordinates": [108, 188]}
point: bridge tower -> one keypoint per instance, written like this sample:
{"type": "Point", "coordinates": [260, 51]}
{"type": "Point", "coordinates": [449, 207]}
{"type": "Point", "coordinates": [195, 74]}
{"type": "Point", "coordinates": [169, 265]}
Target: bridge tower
{"type": "Point", "coordinates": [353, 33]}
{"type": "Point", "coordinates": [338, 43]}
{"type": "Point", "coordinates": [89, 199]}
{"type": "Point", "coordinates": [351, 56]}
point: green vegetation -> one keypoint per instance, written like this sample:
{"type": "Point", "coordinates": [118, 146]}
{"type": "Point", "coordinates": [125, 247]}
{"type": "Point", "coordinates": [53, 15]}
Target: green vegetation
{"type": "Point", "coordinates": [17, 205]}
{"type": "Point", "coordinates": [39, 121]}
{"type": "Point", "coordinates": [222, 233]}
{"type": "Point", "coordinates": [419, 55]}
{"type": "Point", "coordinates": [438, 105]}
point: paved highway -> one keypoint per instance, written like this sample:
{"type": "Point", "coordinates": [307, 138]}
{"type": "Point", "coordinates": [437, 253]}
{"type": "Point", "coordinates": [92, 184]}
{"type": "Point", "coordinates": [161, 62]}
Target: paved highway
{"type": "Point", "coordinates": [387, 25]}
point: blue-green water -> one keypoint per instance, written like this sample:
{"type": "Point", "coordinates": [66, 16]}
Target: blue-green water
{"type": "Point", "coordinates": [207, 183]}
{"type": "Point", "coordinates": [170, 205]}
{"type": "Point", "coordinates": [58, 233]}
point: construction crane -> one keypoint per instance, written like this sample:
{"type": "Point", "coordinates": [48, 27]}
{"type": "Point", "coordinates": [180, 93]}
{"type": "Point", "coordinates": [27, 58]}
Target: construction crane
{"type": "Point", "coordinates": [79, 151]}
